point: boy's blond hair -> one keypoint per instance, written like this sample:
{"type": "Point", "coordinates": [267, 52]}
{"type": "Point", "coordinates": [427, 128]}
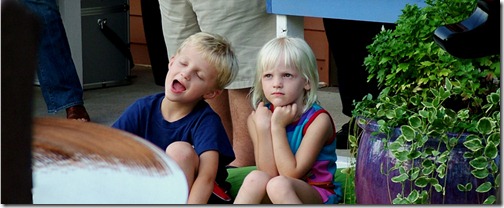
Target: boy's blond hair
{"type": "Point", "coordinates": [297, 54]}
{"type": "Point", "coordinates": [218, 52]}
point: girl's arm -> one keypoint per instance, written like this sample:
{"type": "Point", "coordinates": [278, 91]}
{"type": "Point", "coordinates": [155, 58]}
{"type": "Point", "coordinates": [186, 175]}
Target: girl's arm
{"type": "Point", "coordinates": [204, 182]}
{"type": "Point", "coordinates": [259, 126]}
{"type": "Point", "coordinates": [316, 136]}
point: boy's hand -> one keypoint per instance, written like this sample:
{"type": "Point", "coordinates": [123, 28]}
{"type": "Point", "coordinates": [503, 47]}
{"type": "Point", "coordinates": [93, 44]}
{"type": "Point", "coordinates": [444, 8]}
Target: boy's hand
{"type": "Point", "coordinates": [284, 115]}
{"type": "Point", "coordinates": [262, 117]}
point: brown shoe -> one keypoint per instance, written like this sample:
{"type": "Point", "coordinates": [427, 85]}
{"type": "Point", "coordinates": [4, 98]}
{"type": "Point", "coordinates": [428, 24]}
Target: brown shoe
{"type": "Point", "coordinates": [78, 112]}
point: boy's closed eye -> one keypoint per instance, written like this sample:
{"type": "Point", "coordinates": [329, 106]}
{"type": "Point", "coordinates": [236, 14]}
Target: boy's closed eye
{"type": "Point", "coordinates": [200, 75]}
{"type": "Point", "coordinates": [182, 62]}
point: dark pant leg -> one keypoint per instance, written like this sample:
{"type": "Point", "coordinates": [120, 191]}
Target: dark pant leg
{"type": "Point", "coordinates": [57, 74]}
{"type": "Point", "coordinates": [347, 41]}
{"type": "Point", "coordinates": [156, 46]}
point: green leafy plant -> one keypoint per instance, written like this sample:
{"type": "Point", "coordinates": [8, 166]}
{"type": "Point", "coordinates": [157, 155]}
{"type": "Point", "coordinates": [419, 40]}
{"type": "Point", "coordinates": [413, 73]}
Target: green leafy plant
{"type": "Point", "coordinates": [349, 187]}
{"type": "Point", "coordinates": [429, 94]}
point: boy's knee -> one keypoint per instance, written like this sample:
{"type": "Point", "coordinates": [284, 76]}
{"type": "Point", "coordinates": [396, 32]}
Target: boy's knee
{"type": "Point", "coordinates": [181, 151]}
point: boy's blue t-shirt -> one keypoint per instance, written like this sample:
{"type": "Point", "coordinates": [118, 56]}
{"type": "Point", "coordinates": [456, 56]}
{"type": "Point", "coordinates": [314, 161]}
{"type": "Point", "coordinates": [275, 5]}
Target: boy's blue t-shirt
{"type": "Point", "coordinates": [202, 128]}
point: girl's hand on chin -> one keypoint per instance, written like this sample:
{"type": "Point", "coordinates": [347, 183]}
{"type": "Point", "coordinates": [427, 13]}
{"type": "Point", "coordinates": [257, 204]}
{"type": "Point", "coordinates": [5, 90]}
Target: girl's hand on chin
{"type": "Point", "coordinates": [262, 116]}
{"type": "Point", "coordinates": [284, 115]}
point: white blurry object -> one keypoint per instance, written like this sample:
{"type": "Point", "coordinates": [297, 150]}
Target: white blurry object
{"type": "Point", "coordinates": [85, 163]}
{"type": "Point", "coordinates": [344, 161]}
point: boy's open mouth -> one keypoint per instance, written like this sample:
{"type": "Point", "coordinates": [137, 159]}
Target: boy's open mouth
{"type": "Point", "coordinates": [177, 86]}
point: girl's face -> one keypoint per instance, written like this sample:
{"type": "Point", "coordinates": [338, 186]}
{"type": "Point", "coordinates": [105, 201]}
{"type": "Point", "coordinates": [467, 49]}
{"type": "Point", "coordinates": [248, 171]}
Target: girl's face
{"type": "Point", "coordinates": [284, 85]}
{"type": "Point", "coordinates": [190, 77]}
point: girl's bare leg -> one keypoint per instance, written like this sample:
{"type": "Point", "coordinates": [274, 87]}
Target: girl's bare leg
{"type": "Point", "coordinates": [286, 190]}
{"type": "Point", "coordinates": [253, 189]}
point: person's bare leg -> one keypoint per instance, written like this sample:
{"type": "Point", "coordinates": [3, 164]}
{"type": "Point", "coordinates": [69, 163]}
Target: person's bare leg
{"type": "Point", "coordinates": [187, 159]}
{"type": "Point", "coordinates": [287, 190]}
{"type": "Point", "coordinates": [220, 105]}
{"type": "Point", "coordinates": [253, 189]}
{"type": "Point", "coordinates": [242, 143]}
{"type": "Point", "coordinates": [233, 107]}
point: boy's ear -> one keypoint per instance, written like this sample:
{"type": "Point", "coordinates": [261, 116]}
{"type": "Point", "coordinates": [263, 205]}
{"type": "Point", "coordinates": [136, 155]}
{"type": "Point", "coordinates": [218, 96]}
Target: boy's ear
{"type": "Point", "coordinates": [211, 94]}
{"type": "Point", "coordinates": [170, 62]}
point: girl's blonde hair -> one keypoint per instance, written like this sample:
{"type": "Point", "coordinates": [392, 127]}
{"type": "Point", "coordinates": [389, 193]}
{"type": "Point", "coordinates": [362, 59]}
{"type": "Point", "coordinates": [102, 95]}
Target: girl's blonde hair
{"type": "Point", "coordinates": [218, 52]}
{"type": "Point", "coordinates": [298, 55]}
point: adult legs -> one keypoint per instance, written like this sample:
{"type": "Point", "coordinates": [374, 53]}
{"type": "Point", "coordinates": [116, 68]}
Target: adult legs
{"type": "Point", "coordinates": [348, 40]}
{"type": "Point", "coordinates": [156, 47]}
{"type": "Point", "coordinates": [178, 23]}
{"type": "Point", "coordinates": [242, 143]}
{"type": "Point", "coordinates": [220, 105]}
{"type": "Point", "coordinates": [57, 74]}
{"type": "Point", "coordinates": [248, 27]}
{"type": "Point", "coordinates": [234, 119]}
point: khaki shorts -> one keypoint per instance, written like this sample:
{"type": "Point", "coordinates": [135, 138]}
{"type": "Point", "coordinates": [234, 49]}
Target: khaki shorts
{"type": "Point", "coordinates": [244, 23]}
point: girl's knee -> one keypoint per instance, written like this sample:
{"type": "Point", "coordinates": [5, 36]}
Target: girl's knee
{"type": "Point", "coordinates": [256, 178]}
{"type": "Point", "coordinates": [279, 183]}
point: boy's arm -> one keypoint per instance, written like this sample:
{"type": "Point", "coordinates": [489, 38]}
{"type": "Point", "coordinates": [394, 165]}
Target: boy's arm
{"type": "Point", "coordinates": [203, 184]}
{"type": "Point", "coordinates": [128, 120]}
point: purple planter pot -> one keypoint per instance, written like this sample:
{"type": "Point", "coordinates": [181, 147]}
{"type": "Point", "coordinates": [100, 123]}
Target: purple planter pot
{"type": "Point", "coordinates": [373, 187]}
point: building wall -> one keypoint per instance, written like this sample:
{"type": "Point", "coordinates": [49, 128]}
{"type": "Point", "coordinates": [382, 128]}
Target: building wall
{"type": "Point", "coordinates": [138, 44]}
{"type": "Point", "coordinates": [314, 34]}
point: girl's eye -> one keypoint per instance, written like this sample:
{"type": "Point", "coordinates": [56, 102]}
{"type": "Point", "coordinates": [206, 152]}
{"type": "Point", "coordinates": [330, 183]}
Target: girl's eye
{"type": "Point", "coordinates": [267, 76]}
{"type": "Point", "coordinates": [183, 63]}
{"type": "Point", "coordinates": [287, 75]}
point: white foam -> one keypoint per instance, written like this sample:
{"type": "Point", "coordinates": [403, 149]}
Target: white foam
{"type": "Point", "coordinates": [106, 184]}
